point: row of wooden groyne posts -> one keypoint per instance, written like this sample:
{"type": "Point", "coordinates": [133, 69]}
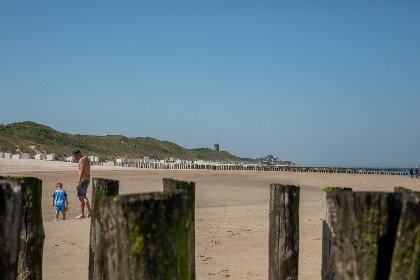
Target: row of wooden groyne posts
{"type": "Point", "coordinates": [366, 235]}
{"type": "Point", "coordinates": [261, 167]}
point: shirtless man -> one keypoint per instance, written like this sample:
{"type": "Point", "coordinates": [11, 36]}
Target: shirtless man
{"type": "Point", "coordinates": [83, 183]}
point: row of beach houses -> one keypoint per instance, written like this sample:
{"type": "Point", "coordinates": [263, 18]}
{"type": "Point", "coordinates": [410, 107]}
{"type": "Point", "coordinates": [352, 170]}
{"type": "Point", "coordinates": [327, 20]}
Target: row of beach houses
{"type": "Point", "coordinates": [170, 163]}
{"type": "Point", "coordinates": [145, 161]}
{"type": "Point", "coordinates": [49, 157]}
{"type": "Point", "coordinates": [95, 159]}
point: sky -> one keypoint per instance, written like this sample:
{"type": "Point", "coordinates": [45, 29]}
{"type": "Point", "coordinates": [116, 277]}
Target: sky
{"type": "Point", "coordinates": [319, 83]}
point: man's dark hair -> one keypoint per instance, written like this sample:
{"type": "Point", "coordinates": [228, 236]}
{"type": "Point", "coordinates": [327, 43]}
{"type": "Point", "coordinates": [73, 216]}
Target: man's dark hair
{"type": "Point", "coordinates": [76, 152]}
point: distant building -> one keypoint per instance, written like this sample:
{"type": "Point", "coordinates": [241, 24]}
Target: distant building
{"type": "Point", "coordinates": [286, 163]}
{"type": "Point", "coordinates": [16, 156]}
{"type": "Point", "coordinates": [70, 159]}
{"type": "Point", "coordinates": [216, 147]}
{"type": "Point", "coordinates": [51, 157]}
{"type": "Point", "coordinates": [26, 156]}
{"type": "Point", "coordinates": [39, 157]}
{"type": "Point", "coordinates": [93, 159]}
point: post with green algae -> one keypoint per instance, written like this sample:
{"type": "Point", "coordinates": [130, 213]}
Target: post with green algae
{"type": "Point", "coordinates": [406, 257]}
{"type": "Point", "coordinates": [189, 187]}
{"type": "Point", "coordinates": [328, 268]}
{"type": "Point", "coordinates": [363, 227]}
{"type": "Point", "coordinates": [401, 189]}
{"type": "Point", "coordinates": [284, 232]}
{"type": "Point", "coordinates": [11, 201]}
{"type": "Point", "coordinates": [147, 236]}
{"type": "Point", "coordinates": [101, 188]}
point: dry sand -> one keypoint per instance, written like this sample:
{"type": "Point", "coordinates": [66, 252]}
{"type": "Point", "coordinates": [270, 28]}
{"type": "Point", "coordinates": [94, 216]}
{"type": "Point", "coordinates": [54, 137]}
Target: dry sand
{"type": "Point", "coordinates": [231, 215]}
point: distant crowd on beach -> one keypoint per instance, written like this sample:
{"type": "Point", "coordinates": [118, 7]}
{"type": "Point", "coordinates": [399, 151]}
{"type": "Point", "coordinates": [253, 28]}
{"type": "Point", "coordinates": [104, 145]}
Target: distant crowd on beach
{"type": "Point", "coordinates": [416, 172]}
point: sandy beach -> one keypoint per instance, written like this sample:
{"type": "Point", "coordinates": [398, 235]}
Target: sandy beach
{"type": "Point", "coordinates": [231, 214]}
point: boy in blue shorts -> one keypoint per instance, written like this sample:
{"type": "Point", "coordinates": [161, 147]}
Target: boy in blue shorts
{"type": "Point", "coordinates": [59, 198]}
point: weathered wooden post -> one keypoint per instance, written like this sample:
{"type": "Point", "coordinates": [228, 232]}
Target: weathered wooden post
{"type": "Point", "coordinates": [147, 236]}
{"type": "Point", "coordinates": [32, 233]}
{"type": "Point", "coordinates": [189, 187]}
{"type": "Point", "coordinates": [363, 228]}
{"type": "Point", "coordinates": [284, 232]}
{"type": "Point", "coordinates": [101, 188]}
{"type": "Point", "coordinates": [328, 268]}
{"type": "Point", "coordinates": [11, 201]}
{"type": "Point", "coordinates": [406, 257]}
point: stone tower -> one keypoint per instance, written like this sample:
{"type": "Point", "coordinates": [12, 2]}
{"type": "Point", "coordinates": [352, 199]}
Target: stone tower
{"type": "Point", "coordinates": [216, 147]}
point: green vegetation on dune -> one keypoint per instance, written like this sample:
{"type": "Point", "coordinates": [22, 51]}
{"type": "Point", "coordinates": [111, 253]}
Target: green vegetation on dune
{"type": "Point", "coordinates": [32, 138]}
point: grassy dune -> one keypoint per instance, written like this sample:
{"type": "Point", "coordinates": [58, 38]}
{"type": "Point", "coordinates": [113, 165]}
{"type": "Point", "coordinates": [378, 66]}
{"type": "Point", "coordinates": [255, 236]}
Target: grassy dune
{"type": "Point", "coordinates": [33, 138]}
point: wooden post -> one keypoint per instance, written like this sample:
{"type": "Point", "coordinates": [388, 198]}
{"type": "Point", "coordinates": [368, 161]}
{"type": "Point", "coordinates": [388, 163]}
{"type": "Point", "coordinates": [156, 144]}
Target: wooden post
{"type": "Point", "coordinates": [284, 232]}
{"type": "Point", "coordinates": [101, 188]}
{"type": "Point", "coordinates": [32, 233]}
{"type": "Point", "coordinates": [363, 228]}
{"type": "Point", "coordinates": [11, 201]}
{"type": "Point", "coordinates": [147, 236]}
{"type": "Point", "coordinates": [328, 268]}
{"type": "Point", "coordinates": [406, 257]}
{"type": "Point", "coordinates": [189, 187]}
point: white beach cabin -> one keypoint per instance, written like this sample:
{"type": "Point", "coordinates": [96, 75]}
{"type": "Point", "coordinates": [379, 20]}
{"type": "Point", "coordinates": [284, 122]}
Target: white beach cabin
{"type": "Point", "coordinates": [26, 156]}
{"type": "Point", "coordinates": [51, 157]}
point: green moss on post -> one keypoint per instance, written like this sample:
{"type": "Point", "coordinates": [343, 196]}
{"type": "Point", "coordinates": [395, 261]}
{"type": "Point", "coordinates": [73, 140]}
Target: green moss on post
{"type": "Point", "coordinates": [406, 257]}
{"type": "Point", "coordinates": [363, 227]}
{"type": "Point", "coordinates": [147, 236]}
{"type": "Point", "coordinates": [330, 190]}
{"type": "Point", "coordinates": [100, 188]}
{"type": "Point", "coordinates": [189, 187]}
{"type": "Point", "coordinates": [32, 233]}
{"type": "Point", "coordinates": [400, 189]}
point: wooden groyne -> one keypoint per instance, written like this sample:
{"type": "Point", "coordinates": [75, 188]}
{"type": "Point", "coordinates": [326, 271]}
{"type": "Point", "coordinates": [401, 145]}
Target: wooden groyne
{"type": "Point", "coordinates": [260, 167]}
{"type": "Point", "coordinates": [366, 235]}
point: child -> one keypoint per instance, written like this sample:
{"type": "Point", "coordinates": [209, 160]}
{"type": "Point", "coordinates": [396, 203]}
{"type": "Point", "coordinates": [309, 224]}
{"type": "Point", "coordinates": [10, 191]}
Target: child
{"type": "Point", "coordinates": [60, 199]}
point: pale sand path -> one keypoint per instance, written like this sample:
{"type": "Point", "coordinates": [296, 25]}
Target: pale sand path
{"type": "Point", "coordinates": [231, 215]}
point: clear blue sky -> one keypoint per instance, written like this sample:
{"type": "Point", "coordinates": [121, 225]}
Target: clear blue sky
{"type": "Point", "coordinates": [321, 83]}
